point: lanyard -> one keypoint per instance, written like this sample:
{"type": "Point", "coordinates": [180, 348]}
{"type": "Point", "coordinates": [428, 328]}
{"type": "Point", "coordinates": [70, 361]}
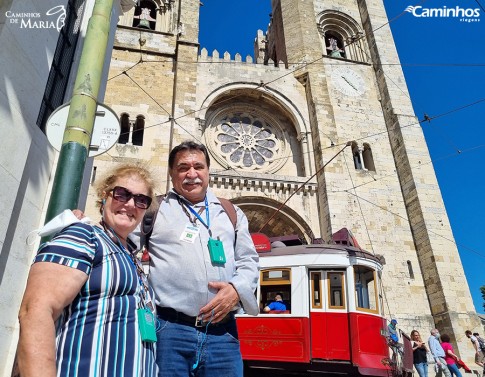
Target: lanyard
{"type": "Point", "coordinates": [142, 278]}
{"type": "Point", "coordinates": [207, 223]}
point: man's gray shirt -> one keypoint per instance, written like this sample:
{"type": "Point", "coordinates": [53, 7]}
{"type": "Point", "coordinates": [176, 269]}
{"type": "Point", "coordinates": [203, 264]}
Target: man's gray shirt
{"type": "Point", "coordinates": [180, 271]}
{"type": "Point", "coordinates": [435, 347]}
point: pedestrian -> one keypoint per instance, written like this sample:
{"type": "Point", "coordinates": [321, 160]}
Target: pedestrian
{"type": "Point", "coordinates": [438, 354]}
{"type": "Point", "coordinates": [86, 294]}
{"type": "Point", "coordinates": [450, 357]}
{"type": "Point", "coordinates": [479, 352]}
{"type": "Point", "coordinates": [203, 271]}
{"type": "Point", "coordinates": [420, 351]}
{"type": "Point", "coordinates": [393, 331]}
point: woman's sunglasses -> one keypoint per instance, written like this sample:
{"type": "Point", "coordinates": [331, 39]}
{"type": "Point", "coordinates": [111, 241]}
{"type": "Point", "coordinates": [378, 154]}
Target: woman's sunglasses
{"type": "Point", "coordinates": [123, 195]}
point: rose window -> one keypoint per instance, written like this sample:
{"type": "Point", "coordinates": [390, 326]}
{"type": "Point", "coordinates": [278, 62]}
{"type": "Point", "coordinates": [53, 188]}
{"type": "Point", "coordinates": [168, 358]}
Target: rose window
{"type": "Point", "coordinates": [246, 143]}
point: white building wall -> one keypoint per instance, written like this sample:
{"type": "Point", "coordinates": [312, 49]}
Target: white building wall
{"type": "Point", "coordinates": [27, 161]}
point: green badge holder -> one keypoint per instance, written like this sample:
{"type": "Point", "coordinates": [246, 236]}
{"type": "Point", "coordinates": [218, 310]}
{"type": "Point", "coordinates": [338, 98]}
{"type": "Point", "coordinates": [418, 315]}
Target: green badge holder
{"type": "Point", "coordinates": [216, 250]}
{"type": "Point", "coordinates": [147, 325]}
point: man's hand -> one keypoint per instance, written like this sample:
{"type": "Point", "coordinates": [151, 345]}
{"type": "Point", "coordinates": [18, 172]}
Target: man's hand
{"type": "Point", "coordinates": [225, 299]}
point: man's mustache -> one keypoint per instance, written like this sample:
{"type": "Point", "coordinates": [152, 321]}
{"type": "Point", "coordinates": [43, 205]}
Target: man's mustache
{"type": "Point", "coordinates": [192, 181]}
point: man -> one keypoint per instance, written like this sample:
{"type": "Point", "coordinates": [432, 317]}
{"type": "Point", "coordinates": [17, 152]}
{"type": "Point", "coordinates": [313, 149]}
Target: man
{"type": "Point", "coordinates": [277, 304]}
{"type": "Point", "coordinates": [438, 354]}
{"type": "Point", "coordinates": [202, 271]}
{"type": "Point", "coordinates": [393, 331]}
{"type": "Point", "coordinates": [479, 356]}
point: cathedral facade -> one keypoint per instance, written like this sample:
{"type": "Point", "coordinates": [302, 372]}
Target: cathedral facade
{"type": "Point", "coordinates": [318, 125]}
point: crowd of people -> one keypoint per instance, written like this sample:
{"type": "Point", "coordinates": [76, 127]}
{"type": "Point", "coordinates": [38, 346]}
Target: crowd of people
{"type": "Point", "coordinates": [90, 310]}
{"type": "Point", "coordinates": [439, 351]}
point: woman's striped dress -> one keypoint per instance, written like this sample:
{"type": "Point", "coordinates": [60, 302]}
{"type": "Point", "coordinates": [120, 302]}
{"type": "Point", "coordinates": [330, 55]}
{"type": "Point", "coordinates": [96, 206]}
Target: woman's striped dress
{"type": "Point", "coordinates": [97, 334]}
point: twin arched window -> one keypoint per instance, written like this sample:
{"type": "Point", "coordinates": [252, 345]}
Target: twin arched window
{"type": "Point", "coordinates": [362, 157]}
{"type": "Point", "coordinates": [135, 128]}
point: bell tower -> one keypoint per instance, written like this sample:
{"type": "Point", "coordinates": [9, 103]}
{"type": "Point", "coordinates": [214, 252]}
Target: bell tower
{"type": "Point", "coordinates": [384, 187]}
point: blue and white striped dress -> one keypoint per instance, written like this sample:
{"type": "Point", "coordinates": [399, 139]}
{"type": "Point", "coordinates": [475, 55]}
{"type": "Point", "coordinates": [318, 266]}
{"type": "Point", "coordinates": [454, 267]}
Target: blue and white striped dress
{"type": "Point", "coordinates": [97, 334]}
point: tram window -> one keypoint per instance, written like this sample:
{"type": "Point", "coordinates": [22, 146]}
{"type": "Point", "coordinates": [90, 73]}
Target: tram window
{"type": "Point", "coordinates": [316, 278]}
{"type": "Point", "coordinates": [365, 289]}
{"type": "Point", "coordinates": [273, 282]}
{"type": "Point", "coordinates": [335, 290]}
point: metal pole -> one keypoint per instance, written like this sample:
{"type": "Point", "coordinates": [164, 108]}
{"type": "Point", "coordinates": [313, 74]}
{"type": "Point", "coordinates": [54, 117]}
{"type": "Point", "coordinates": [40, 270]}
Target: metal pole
{"type": "Point", "coordinates": [82, 112]}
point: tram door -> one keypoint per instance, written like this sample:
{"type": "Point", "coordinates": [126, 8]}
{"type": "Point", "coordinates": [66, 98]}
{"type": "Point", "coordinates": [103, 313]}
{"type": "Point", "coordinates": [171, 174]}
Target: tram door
{"type": "Point", "coordinates": [329, 323]}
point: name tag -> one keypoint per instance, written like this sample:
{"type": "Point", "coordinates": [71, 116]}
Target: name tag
{"type": "Point", "coordinates": [189, 234]}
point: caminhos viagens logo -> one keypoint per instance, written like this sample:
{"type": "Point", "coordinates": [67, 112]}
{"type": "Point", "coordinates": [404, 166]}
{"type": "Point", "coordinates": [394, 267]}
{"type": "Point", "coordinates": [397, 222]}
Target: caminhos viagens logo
{"type": "Point", "coordinates": [462, 14]}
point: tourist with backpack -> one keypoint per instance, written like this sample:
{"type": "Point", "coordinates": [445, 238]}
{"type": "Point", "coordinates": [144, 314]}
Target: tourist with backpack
{"type": "Point", "coordinates": [203, 269]}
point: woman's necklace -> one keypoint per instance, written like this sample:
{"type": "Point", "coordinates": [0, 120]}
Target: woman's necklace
{"type": "Point", "coordinates": [115, 237]}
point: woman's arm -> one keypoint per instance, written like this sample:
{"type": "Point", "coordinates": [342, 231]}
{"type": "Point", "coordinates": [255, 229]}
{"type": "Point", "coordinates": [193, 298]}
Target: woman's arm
{"type": "Point", "coordinates": [450, 352]}
{"type": "Point", "coordinates": [50, 288]}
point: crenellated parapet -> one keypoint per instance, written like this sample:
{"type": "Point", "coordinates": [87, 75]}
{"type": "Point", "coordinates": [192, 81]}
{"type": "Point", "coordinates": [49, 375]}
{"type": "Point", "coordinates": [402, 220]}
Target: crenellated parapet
{"type": "Point", "coordinates": [226, 58]}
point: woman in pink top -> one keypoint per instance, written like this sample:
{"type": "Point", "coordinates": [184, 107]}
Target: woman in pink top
{"type": "Point", "coordinates": [450, 357]}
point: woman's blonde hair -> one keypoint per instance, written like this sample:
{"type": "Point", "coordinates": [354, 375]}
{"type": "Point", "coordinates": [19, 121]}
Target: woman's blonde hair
{"type": "Point", "coordinates": [124, 171]}
{"type": "Point", "coordinates": [416, 332]}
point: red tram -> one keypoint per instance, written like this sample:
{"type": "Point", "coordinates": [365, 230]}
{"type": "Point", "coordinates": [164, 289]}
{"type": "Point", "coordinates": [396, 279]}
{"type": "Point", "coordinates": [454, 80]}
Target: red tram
{"type": "Point", "coordinates": [333, 322]}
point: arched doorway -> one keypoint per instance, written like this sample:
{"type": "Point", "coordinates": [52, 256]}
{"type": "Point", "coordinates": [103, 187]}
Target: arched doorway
{"type": "Point", "coordinates": [286, 222]}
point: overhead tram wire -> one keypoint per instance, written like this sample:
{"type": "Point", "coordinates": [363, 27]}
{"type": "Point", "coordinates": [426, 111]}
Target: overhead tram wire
{"type": "Point", "coordinates": [126, 70]}
{"type": "Point", "coordinates": [480, 5]}
{"type": "Point", "coordinates": [406, 219]}
{"type": "Point", "coordinates": [414, 167]}
{"type": "Point", "coordinates": [222, 62]}
{"type": "Point", "coordinates": [368, 233]}
{"type": "Point", "coordinates": [406, 93]}
{"type": "Point", "coordinates": [264, 84]}
{"type": "Point", "coordinates": [148, 94]}
{"type": "Point", "coordinates": [314, 62]}
{"type": "Point", "coordinates": [301, 186]}
{"type": "Point", "coordinates": [427, 118]}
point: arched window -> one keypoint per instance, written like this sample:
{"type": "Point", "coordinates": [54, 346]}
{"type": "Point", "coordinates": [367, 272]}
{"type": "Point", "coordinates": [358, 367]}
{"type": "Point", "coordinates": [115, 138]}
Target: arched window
{"type": "Point", "coordinates": [138, 129]}
{"type": "Point", "coordinates": [342, 36]}
{"type": "Point", "coordinates": [145, 15]}
{"type": "Point", "coordinates": [368, 160]}
{"type": "Point", "coordinates": [334, 45]}
{"type": "Point", "coordinates": [356, 156]}
{"type": "Point", "coordinates": [125, 129]}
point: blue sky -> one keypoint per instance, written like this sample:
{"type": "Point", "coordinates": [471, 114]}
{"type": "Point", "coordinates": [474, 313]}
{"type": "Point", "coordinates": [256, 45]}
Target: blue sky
{"type": "Point", "coordinates": [443, 61]}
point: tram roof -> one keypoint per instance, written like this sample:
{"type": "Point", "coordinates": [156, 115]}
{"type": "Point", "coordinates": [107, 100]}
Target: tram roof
{"type": "Point", "coordinates": [321, 248]}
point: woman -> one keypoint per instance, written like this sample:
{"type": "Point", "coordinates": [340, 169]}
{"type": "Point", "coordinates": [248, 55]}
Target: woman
{"type": "Point", "coordinates": [419, 354]}
{"type": "Point", "coordinates": [80, 311]}
{"type": "Point", "coordinates": [450, 357]}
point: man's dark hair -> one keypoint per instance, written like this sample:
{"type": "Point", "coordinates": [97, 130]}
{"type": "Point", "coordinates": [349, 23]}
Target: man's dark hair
{"type": "Point", "coordinates": [445, 338]}
{"type": "Point", "coordinates": [468, 332]}
{"type": "Point", "coordinates": [188, 145]}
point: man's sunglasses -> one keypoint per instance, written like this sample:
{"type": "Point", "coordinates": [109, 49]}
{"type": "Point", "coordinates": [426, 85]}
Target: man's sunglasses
{"type": "Point", "coordinates": [123, 195]}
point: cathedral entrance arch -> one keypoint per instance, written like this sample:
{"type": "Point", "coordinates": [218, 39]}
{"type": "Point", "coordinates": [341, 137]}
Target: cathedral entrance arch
{"type": "Point", "coordinates": [286, 222]}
